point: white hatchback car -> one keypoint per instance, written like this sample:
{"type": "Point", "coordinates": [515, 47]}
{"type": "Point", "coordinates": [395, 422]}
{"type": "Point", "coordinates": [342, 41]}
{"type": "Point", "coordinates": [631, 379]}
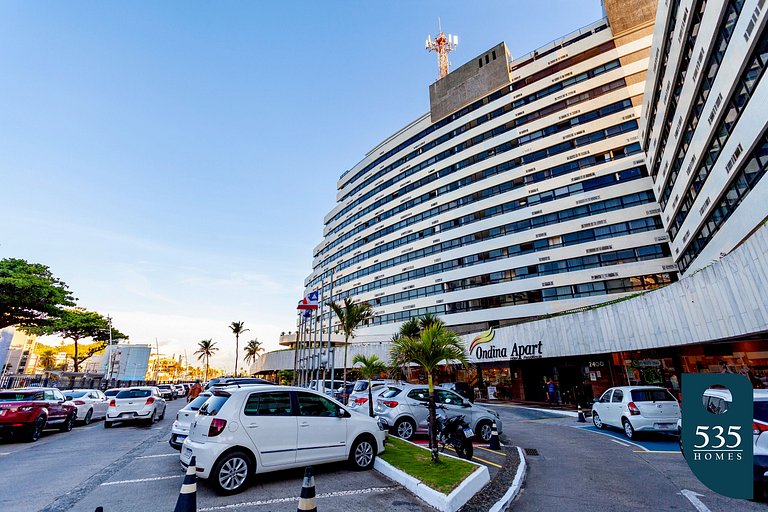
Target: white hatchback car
{"type": "Point", "coordinates": [142, 403]}
{"type": "Point", "coordinates": [184, 418]}
{"type": "Point", "coordinates": [637, 409]}
{"type": "Point", "coordinates": [239, 432]}
{"type": "Point", "coordinates": [91, 404]}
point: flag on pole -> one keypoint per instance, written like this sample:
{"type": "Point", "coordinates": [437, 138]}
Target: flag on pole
{"type": "Point", "coordinates": [308, 302]}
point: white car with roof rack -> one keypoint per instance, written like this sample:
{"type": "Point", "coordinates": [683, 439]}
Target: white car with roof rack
{"type": "Point", "coordinates": [243, 431]}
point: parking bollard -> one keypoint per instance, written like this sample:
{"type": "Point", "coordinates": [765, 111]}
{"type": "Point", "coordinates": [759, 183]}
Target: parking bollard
{"type": "Point", "coordinates": [581, 418]}
{"type": "Point", "coordinates": [494, 443]}
{"type": "Point", "coordinates": [187, 501]}
{"type": "Point", "coordinates": [307, 502]}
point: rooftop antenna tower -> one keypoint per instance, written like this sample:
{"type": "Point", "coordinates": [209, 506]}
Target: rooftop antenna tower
{"type": "Point", "coordinates": [442, 45]}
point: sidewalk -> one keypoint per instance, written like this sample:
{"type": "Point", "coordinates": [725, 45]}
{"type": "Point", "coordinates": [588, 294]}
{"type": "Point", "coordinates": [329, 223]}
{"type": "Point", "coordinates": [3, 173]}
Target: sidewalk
{"type": "Point", "coordinates": [564, 409]}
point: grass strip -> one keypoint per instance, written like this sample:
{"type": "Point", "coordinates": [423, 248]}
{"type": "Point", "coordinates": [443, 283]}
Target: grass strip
{"type": "Point", "coordinates": [442, 476]}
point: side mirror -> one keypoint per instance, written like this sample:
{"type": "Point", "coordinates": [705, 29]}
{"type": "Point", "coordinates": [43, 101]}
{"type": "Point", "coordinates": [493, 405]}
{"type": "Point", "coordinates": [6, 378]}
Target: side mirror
{"type": "Point", "coordinates": [466, 403]}
{"type": "Point", "coordinates": [343, 413]}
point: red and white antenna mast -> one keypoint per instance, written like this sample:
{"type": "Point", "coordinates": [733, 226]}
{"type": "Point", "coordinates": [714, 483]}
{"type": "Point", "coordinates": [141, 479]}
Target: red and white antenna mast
{"type": "Point", "coordinates": [442, 45]}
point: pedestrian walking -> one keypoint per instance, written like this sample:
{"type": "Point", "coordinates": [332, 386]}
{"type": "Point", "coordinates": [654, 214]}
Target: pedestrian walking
{"type": "Point", "coordinates": [194, 391]}
{"type": "Point", "coordinates": [551, 390]}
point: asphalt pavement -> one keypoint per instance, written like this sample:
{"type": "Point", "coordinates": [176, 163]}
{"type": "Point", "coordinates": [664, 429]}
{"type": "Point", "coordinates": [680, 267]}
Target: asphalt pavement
{"type": "Point", "coordinates": [574, 467]}
{"type": "Point", "coordinates": [132, 468]}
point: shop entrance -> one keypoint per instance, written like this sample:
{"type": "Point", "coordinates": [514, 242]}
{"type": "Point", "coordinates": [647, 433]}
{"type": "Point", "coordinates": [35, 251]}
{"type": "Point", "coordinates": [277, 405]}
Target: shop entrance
{"type": "Point", "coordinates": [572, 386]}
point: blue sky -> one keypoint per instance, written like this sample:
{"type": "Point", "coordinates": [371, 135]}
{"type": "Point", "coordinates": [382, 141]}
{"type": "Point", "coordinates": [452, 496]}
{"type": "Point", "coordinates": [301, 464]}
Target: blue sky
{"type": "Point", "coordinates": [172, 161]}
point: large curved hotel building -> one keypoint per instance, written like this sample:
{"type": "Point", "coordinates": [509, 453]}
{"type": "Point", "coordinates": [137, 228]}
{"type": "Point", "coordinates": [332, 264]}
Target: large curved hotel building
{"type": "Point", "coordinates": [523, 192]}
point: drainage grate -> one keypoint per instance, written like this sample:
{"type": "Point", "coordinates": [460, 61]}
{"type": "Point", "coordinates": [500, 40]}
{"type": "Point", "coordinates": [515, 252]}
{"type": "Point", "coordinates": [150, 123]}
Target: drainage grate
{"type": "Point", "coordinates": [531, 451]}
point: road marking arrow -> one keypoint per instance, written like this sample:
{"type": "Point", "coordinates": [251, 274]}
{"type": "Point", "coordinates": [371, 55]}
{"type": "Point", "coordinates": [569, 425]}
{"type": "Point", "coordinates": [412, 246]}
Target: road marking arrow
{"type": "Point", "coordinates": [693, 497]}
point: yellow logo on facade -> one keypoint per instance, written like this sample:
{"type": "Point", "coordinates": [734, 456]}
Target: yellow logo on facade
{"type": "Point", "coordinates": [481, 338]}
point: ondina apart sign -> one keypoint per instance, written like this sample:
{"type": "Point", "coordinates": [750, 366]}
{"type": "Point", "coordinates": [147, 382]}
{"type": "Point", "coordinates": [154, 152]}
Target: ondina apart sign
{"type": "Point", "coordinates": [498, 346]}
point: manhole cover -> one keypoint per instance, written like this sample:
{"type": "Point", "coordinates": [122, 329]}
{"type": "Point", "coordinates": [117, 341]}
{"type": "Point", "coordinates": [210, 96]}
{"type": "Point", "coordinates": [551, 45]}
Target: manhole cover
{"type": "Point", "coordinates": [531, 451]}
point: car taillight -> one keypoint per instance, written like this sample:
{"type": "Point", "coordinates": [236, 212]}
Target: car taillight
{"type": "Point", "coordinates": [78, 402]}
{"type": "Point", "coordinates": [758, 428]}
{"type": "Point", "coordinates": [633, 410]}
{"type": "Point", "coordinates": [112, 403]}
{"type": "Point", "coordinates": [217, 427]}
{"type": "Point", "coordinates": [150, 400]}
{"type": "Point", "coordinates": [360, 401]}
{"type": "Point", "coordinates": [390, 403]}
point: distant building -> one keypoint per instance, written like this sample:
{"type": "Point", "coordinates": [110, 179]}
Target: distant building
{"type": "Point", "coordinates": [123, 361]}
{"type": "Point", "coordinates": [16, 349]}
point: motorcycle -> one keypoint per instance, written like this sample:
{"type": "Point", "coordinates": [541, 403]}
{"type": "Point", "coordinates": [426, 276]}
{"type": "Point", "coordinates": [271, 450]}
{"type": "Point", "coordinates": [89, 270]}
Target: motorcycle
{"type": "Point", "coordinates": [454, 432]}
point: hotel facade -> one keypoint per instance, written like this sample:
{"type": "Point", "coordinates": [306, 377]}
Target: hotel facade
{"type": "Point", "coordinates": [623, 159]}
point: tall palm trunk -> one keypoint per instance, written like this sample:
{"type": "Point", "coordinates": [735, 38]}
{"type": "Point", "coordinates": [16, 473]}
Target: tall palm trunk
{"type": "Point", "coordinates": [346, 345]}
{"type": "Point", "coordinates": [77, 366]}
{"type": "Point", "coordinates": [432, 418]}
{"type": "Point", "coordinates": [206, 368]}
{"type": "Point", "coordinates": [237, 345]}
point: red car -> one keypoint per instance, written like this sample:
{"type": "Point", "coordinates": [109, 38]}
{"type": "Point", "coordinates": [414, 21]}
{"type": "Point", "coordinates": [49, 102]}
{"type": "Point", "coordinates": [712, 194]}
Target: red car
{"type": "Point", "coordinates": [29, 411]}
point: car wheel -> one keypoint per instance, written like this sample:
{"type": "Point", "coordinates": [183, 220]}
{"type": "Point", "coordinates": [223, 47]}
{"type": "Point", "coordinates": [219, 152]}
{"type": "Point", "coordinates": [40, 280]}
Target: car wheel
{"type": "Point", "coordinates": [363, 454]}
{"type": "Point", "coordinates": [597, 420]}
{"type": "Point", "coordinates": [405, 428]}
{"type": "Point", "coordinates": [629, 431]}
{"type": "Point", "coordinates": [107, 424]}
{"type": "Point", "coordinates": [88, 416]}
{"type": "Point", "coordinates": [484, 431]}
{"type": "Point", "coordinates": [69, 423]}
{"type": "Point", "coordinates": [231, 472]}
{"type": "Point", "coordinates": [162, 416]}
{"type": "Point", "coordinates": [36, 430]}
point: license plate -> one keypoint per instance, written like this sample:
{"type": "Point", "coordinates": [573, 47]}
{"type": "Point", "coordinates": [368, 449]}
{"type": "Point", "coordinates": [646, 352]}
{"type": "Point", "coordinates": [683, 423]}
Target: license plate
{"type": "Point", "coordinates": [468, 433]}
{"type": "Point", "coordinates": [187, 453]}
{"type": "Point", "coordinates": [181, 438]}
{"type": "Point", "coordinates": [664, 426]}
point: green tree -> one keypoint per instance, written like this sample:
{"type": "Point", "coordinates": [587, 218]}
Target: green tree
{"type": "Point", "coordinates": [77, 324]}
{"type": "Point", "coordinates": [47, 359]}
{"type": "Point", "coordinates": [253, 350]}
{"type": "Point", "coordinates": [350, 316]}
{"type": "Point", "coordinates": [30, 295]}
{"type": "Point", "coordinates": [369, 368]}
{"type": "Point", "coordinates": [433, 346]}
{"type": "Point", "coordinates": [206, 349]}
{"type": "Point", "coordinates": [237, 329]}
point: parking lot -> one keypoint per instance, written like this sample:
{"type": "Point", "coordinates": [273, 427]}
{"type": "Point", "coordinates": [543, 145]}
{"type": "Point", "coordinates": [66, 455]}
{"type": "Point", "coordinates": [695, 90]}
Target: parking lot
{"type": "Point", "coordinates": [132, 468]}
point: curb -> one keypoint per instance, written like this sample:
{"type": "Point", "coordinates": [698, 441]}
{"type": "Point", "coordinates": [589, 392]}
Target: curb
{"type": "Point", "coordinates": [445, 503]}
{"type": "Point", "coordinates": [514, 489]}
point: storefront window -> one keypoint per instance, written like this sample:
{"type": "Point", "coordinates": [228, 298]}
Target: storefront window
{"type": "Point", "coordinates": [749, 358]}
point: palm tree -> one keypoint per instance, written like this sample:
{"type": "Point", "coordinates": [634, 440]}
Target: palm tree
{"type": "Point", "coordinates": [206, 349]}
{"type": "Point", "coordinates": [350, 316]}
{"type": "Point", "coordinates": [253, 350]}
{"type": "Point", "coordinates": [370, 367]}
{"type": "Point", "coordinates": [237, 329]}
{"type": "Point", "coordinates": [435, 345]}
{"type": "Point", "coordinates": [47, 359]}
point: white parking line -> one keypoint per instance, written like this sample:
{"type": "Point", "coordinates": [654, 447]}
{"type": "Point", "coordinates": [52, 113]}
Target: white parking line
{"type": "Point", "coordinates": [161, 455]}
{"type": "Point", "coordinates": [296, 498]}
{"type": "Point", "coordinates": [138, 480]}
{"type": "Point", "coordinates": [584, 429]}
{"type": "Point", "coordinates": [619, 442]}
{"type": "Point", "coordinates": [5, 453]}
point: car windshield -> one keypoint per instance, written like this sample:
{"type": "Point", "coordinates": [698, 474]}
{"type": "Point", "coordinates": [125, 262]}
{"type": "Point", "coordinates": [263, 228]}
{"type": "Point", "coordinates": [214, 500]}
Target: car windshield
{"type": "Point", "coordinates": [213, 405]}
{"type": "Point", "coordinates": [20, 397]}
{"type": "Point", "coordinates": [761, 411]}
{"type": "Point", "coordinates": [75, 394]}
{"type": "Point", "coordinates": [164, 386]}
{"type": "Point", "coordinates": [198, 402]}
{"type": "Point", "coordinates": [389, 393]}
{"type": "Point", "coordinates": [652, 395]}
{"type": "Point", "coordinates": [134, 393]}
{"type": "Point", "coordinates": [361, 385]}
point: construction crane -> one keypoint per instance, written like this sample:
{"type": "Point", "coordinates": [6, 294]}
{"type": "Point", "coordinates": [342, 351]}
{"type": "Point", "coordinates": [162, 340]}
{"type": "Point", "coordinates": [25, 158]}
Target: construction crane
{"type": "Point", "coordinates": [442, 45]}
